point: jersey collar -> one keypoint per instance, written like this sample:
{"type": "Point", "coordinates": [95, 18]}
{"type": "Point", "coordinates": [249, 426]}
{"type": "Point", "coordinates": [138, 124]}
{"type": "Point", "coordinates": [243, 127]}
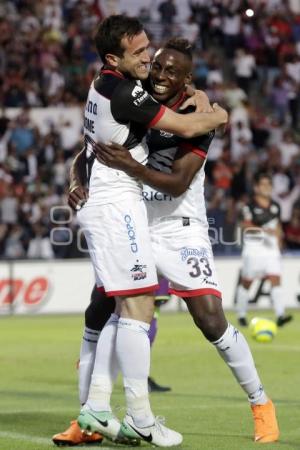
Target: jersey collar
{"type": "Point", "coordinates": [179, 101]}
{"type": "Point", "coordinates": [106, 69]}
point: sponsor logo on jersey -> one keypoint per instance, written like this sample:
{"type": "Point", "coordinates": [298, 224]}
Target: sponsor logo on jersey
{"type": "Point", "coordinates": [138, 272]}
{"type": "Point", "coordinates": [139, 95]}
{"type": "Point", "coordinates": [185, 252]}
{"type": "Point", "coordinates": [165, 134]}
{"type": "Point", "coordinates": [131, 233]}
{"type": "Point", "coordinates": [151, 196]}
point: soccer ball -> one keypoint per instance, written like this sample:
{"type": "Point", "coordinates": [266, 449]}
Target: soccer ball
{"type": "Point", "coordinates": [263, 330]}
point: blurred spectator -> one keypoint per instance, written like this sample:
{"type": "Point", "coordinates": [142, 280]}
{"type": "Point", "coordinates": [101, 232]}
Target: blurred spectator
{"type": "Point", "coordinates": [14, 246]}
{"type": "Point", "coordinates": [168, 11]}
{"type": "Point", "coordinates": [231, 29]}
{"type": "Point", "coordinates": [245, 66]}
{"type": "Point", "coordinates": [292, 230]}
{"type": "Point", "coordinates": [23, 134]}
{"type": "Point", "coordinates": [288, 149]}
{"type": "Point", "coordinates": [280, 100]}
{"type": "Point", "coordinates": [9, 207]}
{"type": "Point", "coordinates": [190, 31]}
{"type": "Point", "coordinates": [241, 141]}
{"type": "Point", "coordinates": [40, 245]}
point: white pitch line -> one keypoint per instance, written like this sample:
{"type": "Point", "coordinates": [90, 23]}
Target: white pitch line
{"type": "Point", "coordinates": [34, 439]}
{"type": "Point", "coordinates": [25, 437]}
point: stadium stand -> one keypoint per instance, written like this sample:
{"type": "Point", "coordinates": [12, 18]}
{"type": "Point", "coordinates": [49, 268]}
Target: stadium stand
{"type": "Point", "coordinates": [247, 58]}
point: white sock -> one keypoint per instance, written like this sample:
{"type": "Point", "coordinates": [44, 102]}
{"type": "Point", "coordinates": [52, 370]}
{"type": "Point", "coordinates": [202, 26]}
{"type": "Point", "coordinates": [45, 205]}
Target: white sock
{"type": "Point", "coordinates": [86, 362]}
{"type": "Point", "coordinates": [277, 300]}
{"type": "Point", "coordinates": [105, 368]}
{"type": "Point", "coordinates": [133, 352]}
{"type": "Point", "coordinates": [242, 301]}
{"type": "Point", "coordinates": [235, 351]}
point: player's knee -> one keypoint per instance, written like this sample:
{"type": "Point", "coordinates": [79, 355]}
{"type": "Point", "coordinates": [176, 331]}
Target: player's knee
{"type": "Point", "coordinates": [274, 280]}
{"type": "Point", "coordinates": [138, 308]}
{"type": "Point", "coordinates": [210, 318]}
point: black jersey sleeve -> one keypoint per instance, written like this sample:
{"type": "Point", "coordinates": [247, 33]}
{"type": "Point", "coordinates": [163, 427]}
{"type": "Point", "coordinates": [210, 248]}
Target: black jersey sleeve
{"type": "Point", "coordinates": [198, 144]}
{"type": "Point", "coordinates": [130, 102]}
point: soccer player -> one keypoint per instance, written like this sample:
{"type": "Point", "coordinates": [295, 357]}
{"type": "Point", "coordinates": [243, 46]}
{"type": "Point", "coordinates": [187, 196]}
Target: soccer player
{"type": "Point", "coordinates": [261, 258]}
{"type": "Point", "coordinates": [179, 231]}
{"type": "Point", "coordinates": [115, 225]}
{"type": "Point", "coordinates": [96, 315]}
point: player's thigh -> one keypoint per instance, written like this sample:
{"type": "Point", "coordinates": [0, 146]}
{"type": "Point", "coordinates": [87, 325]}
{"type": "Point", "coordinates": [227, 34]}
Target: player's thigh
{"type": "Point", "coordinates": [184, 256]}
{"type": "Point", "coordinates": [273, 266]}
{"type": "Point", "coordinates": [119, 245]}
{"type": "Point", "coordinates": [253, 264]}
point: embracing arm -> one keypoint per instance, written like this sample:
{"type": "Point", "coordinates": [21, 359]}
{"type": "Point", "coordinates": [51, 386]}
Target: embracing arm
{"type": "Point", "coordinates": [193, 124]}
{"type": "Point", "coordinates": [184, 168]}
{"type": "Point", "coordinates": [77, 191]}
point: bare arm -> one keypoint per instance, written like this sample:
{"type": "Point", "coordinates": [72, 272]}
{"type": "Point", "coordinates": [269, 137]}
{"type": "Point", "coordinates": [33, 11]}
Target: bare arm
{"type": "Point", "coordinates": [193, 124]}
{"type": "Point", "coordinates": [77, 192]}
{"type": "Point", "coordinates": [184, 168]}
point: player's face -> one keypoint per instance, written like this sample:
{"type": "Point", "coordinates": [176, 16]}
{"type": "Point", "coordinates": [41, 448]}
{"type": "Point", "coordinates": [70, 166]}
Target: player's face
{"type": "Point", "coordinates": [136, 59]}
{"type": "Point", "coordinates": [170, 72]}
{"type": "Point", "coordinates": [264, 188]}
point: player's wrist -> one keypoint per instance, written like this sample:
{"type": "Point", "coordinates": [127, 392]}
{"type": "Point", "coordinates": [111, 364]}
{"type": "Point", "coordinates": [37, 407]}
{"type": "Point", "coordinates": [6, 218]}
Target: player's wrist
{"type": "Point", "coordinates": [136, 169]}
{"type": "Point", "coordinates": [73, 186]}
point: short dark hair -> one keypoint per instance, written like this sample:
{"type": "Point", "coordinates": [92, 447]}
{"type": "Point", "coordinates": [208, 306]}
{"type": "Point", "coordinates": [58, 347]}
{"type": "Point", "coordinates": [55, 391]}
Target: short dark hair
{"type": "Point", "coordinates": [180, 45]}
{"type": "Point", "coordinates": [111, 31]}
{"type": "Point", "coordinates": [258, 176]}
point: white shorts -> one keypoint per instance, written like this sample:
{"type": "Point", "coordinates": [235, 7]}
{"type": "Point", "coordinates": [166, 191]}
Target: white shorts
{"type": "Point", "coordinates": [259, 262]}
{"type": "Point", "coordinates": [183, 255]}
{"type": "Point", "coordinates": [119, 244]}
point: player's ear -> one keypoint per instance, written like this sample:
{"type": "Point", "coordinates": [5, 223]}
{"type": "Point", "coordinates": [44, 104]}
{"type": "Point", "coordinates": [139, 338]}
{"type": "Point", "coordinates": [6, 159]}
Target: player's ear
{"type": "Point", "coordinates": [188, 78]}
{"type": "Point", "coordinates": [112, 60]}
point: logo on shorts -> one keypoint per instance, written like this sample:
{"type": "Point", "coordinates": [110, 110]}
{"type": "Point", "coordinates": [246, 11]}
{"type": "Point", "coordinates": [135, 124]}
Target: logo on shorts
{"type": "Point", "coordinates": [206, 281]}
{"type": "Point", "coordinates": [131, 233]}
{"type": "Point", "coordinates": [185, 252]}
{"type": "Point", "coordinates": [138, 272]}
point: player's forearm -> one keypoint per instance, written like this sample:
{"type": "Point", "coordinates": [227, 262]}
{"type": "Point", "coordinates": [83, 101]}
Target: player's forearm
{"type": "Point", "coordinates": [167, 183]}
{"type": "Point", "coordinates": [78, 170]}
{"type": "Point", "coordinates": [193, 124]}
{"type": "Point", "coordinates": [203, 123]}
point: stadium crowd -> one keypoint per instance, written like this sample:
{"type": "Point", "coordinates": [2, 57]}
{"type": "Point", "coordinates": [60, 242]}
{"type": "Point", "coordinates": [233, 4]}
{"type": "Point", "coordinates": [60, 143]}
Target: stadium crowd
{"type": "Point", "coordinates": [246, 57]}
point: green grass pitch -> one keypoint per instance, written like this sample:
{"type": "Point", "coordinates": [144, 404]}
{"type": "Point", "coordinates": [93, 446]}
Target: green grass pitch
{"type": "Point", "coordinates": [38, 384]}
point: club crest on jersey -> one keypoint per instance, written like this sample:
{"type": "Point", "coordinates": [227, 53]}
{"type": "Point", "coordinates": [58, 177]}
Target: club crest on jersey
{"type": "Point", "coordinates": [165, 134]}
{"type": "Point", "coordinates": [139, 95]}
{"type": "Point", "coordinates": [138, 272]}
{"type": "Point", "coordinates": [185, 252]}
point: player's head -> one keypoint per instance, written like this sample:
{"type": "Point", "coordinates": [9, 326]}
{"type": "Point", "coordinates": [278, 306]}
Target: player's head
{"type": "Point", "coordinates": [263, 184]}
{"type": "Point", "coordinates": [122, 43]}
{"type": "Point", "coordinates": [171, 69]}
